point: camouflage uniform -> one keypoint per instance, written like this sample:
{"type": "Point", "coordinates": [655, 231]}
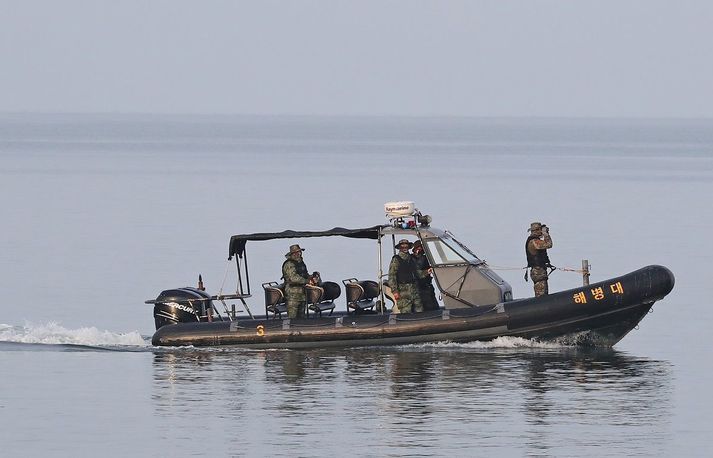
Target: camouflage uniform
{"type": "Point", "coordinates": [403, 280]}
{"type": "Point", "coordinates": [425, 281]}
{"type": "Point", "coordinates": [296, 276]}
{"type": "Point", "coordinates": [537, 260]}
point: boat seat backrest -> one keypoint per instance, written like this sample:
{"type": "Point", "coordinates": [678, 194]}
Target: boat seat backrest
{"type": "Point", "coordinates": [326, 291]}
{"type": "Point", "coordinates": [331, 290]}
{"type": "Point", "coordinates": [360, 290]}
{"type": "Point", "coordinates": [371, 289]}
{"type": "Point", "coordinates": [314, 294]}
{"type": "Point", "coordinates": [355, 292]}
{"type": "Point", "coordinates": [274, 293]}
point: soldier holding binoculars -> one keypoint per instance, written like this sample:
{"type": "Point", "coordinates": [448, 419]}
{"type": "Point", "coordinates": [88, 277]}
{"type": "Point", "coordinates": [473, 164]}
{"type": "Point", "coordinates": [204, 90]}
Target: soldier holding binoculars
{"type": "Point", "coordinates": [536, 247]}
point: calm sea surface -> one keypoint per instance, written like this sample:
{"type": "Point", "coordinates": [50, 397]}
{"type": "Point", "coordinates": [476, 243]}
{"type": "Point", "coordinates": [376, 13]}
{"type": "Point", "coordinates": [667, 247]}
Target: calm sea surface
{"type": "Point", "coordinates": [100, 213]}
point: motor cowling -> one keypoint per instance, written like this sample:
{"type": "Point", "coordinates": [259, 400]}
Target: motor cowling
{"type": "Point", "coordinates": [181, 305]}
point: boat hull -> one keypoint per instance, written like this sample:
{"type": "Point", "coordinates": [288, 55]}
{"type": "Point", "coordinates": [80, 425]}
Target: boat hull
{"type": "Point", "coordinates": [595, 315]}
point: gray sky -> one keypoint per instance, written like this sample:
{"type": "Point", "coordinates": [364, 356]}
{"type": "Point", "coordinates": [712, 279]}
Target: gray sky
{"type": "Point", "coordinates": [621, 58]}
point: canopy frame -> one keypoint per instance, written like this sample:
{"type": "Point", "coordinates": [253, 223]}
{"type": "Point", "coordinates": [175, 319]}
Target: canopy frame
{"type": "Point", "coordinates": [238, 243]}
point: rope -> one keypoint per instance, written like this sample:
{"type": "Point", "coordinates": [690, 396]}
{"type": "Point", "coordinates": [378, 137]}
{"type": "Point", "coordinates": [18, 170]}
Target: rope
{"type": "Point", "coordinates": [417, 319]}
{"type": "Point", "coordinates": [225, 277]}
{"type": "Point", "coordinates": [563, 269]}
{"type": "Point", "coordinates": [369, 326]}
{"type": "Point", "coordinates": [329, 324]}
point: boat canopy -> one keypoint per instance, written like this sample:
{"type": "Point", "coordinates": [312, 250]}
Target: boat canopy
{"type": "Point", "coordinates": [237, 242]}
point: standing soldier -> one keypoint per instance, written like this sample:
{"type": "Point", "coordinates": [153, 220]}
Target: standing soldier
{"type": "Point", "coordinates": [403, 276]}
{"type": "Point", "coordinates": [425, 281]}
{"type": "Point", "coordinates": [537, 260]}
{"type": "Point", "coordinates": [294, 272]}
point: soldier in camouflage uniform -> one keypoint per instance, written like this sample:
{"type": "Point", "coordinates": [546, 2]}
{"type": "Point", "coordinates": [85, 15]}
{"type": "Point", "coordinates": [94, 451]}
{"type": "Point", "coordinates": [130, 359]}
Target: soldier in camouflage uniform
{"type": "Point", "coordinates": [403, 279]}
{"type": "Point", "coordinates": [296, 276]}
{"type": "Point", "coordinates": [536, 247]}
{"type": "Point", "coordinates": [425, 280]}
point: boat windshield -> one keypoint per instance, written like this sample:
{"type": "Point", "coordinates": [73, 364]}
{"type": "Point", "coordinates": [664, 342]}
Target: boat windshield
{"type": "Point", "coordinates": [449, 251]}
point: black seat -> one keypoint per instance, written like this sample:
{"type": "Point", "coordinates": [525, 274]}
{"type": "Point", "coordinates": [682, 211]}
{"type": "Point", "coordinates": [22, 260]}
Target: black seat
{"type": "Point", "coordinates": [360, 294]}
{"type": "Point", "coordinates": [274, 299]}
{"type": "Point", "coordinates": [321, 298]}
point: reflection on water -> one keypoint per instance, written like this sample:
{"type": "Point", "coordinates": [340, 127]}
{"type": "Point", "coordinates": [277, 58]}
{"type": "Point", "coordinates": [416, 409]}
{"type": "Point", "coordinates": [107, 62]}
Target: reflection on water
{"type": "Point", "coordinates": [421, 400]}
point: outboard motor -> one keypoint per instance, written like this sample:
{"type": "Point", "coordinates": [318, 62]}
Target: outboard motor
{"type": "Point", "coordinates": [181, 305]}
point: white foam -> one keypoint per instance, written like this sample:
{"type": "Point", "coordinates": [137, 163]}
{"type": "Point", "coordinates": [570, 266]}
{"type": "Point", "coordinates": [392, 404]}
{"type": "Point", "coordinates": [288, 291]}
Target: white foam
{"type": "Point", "coordinates": [54, 334]}
{"type": "Point", "coordinates": [499, 342]}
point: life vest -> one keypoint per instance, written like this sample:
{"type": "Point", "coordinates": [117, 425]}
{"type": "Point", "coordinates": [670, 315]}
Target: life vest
{"type": "Point", "coordinates": [539, 259]}
{"type": "Point", "coordinates": [300, 268]}
{"type": "Point", "coordinates": [421, 262]}
{"type": "Point", "coordinates": [406, 273]}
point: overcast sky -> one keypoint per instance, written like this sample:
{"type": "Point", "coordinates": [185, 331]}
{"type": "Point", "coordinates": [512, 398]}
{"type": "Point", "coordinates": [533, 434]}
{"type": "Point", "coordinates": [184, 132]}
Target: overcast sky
{"type": "Point", "coordinates": [646, 58]}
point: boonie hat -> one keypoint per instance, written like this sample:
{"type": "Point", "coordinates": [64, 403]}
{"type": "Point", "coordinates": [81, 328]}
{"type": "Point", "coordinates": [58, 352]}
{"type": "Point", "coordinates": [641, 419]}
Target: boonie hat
{"type": "Point", "coordinates": [403, 242]}
{"type": "Point", "coordinates": [294, 249]}
{"type": "Point", "coordinates": [536, 226]}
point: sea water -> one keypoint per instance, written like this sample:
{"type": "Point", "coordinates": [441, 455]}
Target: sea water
{"type": "Point", "coordinates": [102, 212]}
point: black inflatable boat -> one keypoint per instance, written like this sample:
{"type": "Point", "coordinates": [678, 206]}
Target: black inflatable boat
{"type": "Point", "coordinates": [477, 303]}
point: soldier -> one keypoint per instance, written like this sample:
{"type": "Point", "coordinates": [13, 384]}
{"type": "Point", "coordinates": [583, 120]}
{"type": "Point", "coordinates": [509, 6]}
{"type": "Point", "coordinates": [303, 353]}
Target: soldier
{"type": "Point", "coordinates": [425, 281]}
{"type": "Point", "coordinates": [403, 278]}
{"type": "Point", "coordinates": [294, 272]}
{"type": "Point", "coordinates": [537, 260]}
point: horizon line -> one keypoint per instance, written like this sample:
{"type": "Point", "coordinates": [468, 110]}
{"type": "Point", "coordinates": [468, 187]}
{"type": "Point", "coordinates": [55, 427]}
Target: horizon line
{"type": "Point", "coordinates": [347, 115]}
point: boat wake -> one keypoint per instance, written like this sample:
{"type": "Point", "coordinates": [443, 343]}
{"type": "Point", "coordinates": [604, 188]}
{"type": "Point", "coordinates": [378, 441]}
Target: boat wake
{"type": "Point", "coordinates": [498, 343]}
{"type": "Point", "coordinates": [54, 334]}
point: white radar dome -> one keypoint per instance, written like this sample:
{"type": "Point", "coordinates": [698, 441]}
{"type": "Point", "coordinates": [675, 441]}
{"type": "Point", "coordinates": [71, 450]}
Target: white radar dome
{"type": "Point", "coordinates": [399, 209]}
